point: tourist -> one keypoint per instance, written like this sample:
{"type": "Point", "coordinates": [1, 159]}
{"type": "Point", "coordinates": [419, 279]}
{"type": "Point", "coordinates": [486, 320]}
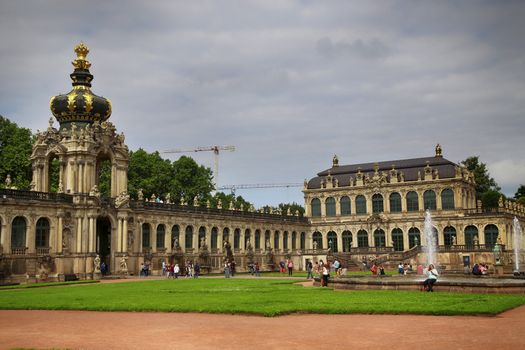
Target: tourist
{"type": "Point", "coordinates": [163, 267]}
{"type": "Point", "coordinates": [476, 270]}
{"type": "Point", "coordinates": [483, 269]}
{"type": "Point", "coordinates": [337, 267]}
{"type": "Point", "coordinates": [171, 272]}
{"type": "Point", "coordinates": [103, 268]}
{"type": "Point", "coordinates": [232, 268]}
{"type": "Point", "coordinates": [400, 269]}
{"type": "Point", "coordinates": [326, 275]}
{"type": "Point", "coordinates": [374, 269]}
{"type": "Point", "coordinates": [432, 276]}
{"type": "Point", "coordinates": [257, 270]}
{"type": "Point", "coordinates": [290, 267]}
{"type": "Point", "coordinates": [176, 271]}
{"type": "Point", "coordinates": [281, 266]}
{"type": "Point", "coordinates": [197, 270]}
{"type": "Point", "coordinates": [226, 269]}
{"type": "Point", "coordinates": [141, 273]}
{"type": "Point", "coordinates": [309, 268]}
{"type": "Point", "coordinates": [381, 270]}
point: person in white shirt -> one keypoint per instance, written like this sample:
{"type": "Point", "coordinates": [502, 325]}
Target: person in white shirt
{"type": "Point", "coordinates": [432, 276]}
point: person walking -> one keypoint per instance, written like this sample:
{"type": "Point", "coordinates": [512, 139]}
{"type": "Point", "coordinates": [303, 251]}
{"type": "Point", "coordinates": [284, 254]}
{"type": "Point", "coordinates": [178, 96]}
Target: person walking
{"type": "Point", "coordinates": [432, 276]}
{"type": "Point", "coordinates": [226, 269]}
{"type": "Point", "coordinates": [257, 270]}
{"type": "Point", "coordinates": [290, 267]}
{"type": "Point", "coordinates": [326, 275]}
{"type": "Point", "coordinates": [309, 268]}
{"type": "Point", "coordinates": [176, 271]}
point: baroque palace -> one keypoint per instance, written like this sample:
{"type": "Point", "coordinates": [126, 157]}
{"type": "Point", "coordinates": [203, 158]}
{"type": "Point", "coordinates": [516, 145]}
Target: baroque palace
{"type": "Point", "coordinates": [352, 212]}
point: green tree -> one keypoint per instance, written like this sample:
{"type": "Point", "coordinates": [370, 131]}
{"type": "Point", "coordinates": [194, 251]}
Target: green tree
{"type": "Point", "coordinates": [190, 180]}
{"type": "Point", "coordinates": [484, 182]}
{"type": "Point", "coordinates": [15, 150]}
{"type": "Point", "coordinates": [490, 198]}
{"type": "Point", "coordinates": [520, 195]}
{"type": "Point", "coordinates": [149, 172]}
{"type": "Point", "coordinates": [293, 208]}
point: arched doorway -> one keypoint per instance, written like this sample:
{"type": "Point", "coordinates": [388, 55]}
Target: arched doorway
{"type": "Point", "coordinates": [104, 242]}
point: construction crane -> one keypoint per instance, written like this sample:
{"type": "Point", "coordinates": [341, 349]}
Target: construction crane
{"type": "Point", "coordinates": [232, 188]}
{"type": "Point", "coordinates": [214, 149]}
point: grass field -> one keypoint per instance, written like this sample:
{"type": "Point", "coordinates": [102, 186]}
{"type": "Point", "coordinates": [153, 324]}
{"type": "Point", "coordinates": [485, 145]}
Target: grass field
{"type": "Point", "coordinates": [268, 297]}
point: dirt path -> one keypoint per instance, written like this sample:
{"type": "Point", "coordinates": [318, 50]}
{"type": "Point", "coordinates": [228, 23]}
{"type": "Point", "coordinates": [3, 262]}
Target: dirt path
{"type": "Point", "coordinates": [120, 330]}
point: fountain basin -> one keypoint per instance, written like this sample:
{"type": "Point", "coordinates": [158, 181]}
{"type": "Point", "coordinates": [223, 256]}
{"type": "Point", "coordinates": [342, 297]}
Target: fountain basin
{"type": "Point", "coordinates": [481, 284]}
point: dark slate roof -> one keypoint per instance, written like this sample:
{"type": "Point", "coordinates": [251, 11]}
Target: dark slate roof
{"type": "Point", "coordinates": [409, 167]}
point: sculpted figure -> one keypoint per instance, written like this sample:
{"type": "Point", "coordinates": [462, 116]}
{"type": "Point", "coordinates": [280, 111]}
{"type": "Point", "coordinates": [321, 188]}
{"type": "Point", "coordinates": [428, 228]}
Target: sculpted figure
{"type": "Point", "coordinates": [8, 181]}
{"type": "Point", "coordinates": [96, 262]}
{"type": "Point", "coordinates": [140, 195]}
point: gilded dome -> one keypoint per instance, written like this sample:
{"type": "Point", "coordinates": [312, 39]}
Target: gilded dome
{"type": "Point", "coordinates": [80, 105]}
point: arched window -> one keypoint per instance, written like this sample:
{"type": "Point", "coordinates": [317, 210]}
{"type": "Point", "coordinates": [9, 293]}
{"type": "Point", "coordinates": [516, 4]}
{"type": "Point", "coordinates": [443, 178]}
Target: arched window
{"type": "Point", "coordinates": [42, 233]}
{"type": "Point", "coordinates": [491, 235]}
{"type": "Point", "coordinates": [429, 198]}
{"type": "Point", "coordinates": [316, 207]}
{"type": "Point", "coordinates": [189, 237]}
{"type": "Point", "coordinates": [236, 238]}
{"type": "Point", "coordinates": [347, 241]}
{"type": "Point", "coordinates": [332, 241]}
{"type": "Point", "coordinates": [412, 201]}
{"type": "Point", "coordinates": [257, 239]}
{"type": "Point", "coordinates": [294, 240]}
{"type": "Point", "coordinates": [146, 239]}
{"type": "Point", "coordinates": [395, 203]}
{"type": "Point", "coordinates": [285, 240]}
{"type": "Point", "coordinates": [377, 203]}
{"type": "Point", "coordinates": [226, 234]}
{"type": "Point", "coordinates": [247, 237]}
{"type": "Point", "coordinates": [397, 240]}
{"type": "Point", "coordinates": [471, 236]}
{"type": "Point", "coordinates": [362, 239]}
{"type": "Point", "coordinates": [214, 234]}
{"type": "Point", "coordinates": [330, 206]}
{"type": "Point", "coordinates": [379, 238]}
{"type": "Point", "coordinates": [161, 234]}
{"type": "Point", "coordinates": [202, 235]}
{"type": "Point", "coordinates": [317, 237]}
{"type": "Point", "coordinates": [360, 204]}
{"type": "Point", "coordinates": [276, 240]}
{"type": "Point", "coordinates": [447, 199]}
{"type": "Point", "coordinates": [414, 237]}
{"type": "Point", "coordinates": [303, 240]}
{"type": "Point", "coordinates": [449, 235]}
{"type": "Point", "coordinates": [344, 203]}
{"type": "Point", "coordinates": [18, 233]}
{"type": "Point", "coordinates": [175, 235]}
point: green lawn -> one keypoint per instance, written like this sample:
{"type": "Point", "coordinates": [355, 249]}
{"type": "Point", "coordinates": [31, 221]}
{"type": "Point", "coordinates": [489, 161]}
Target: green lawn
{"type": "Point", "coordinates": [268, 297]}
{"type": "Point", "coordinates": [47, 284]}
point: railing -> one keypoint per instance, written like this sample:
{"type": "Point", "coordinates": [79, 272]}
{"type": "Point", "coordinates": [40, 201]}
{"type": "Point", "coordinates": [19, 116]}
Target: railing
{"type": "Point", "coordinates": [216, 211]}
{"type": "Point", "coordinates": [19, 250]}
{"type": "Point", "coordinates": [36, 196]}
{"type": "Point", "coordinates": [42, 250]}
{"type": "Point", "coordinates": [371, 250]}
{"type": "Point", "coordinates": [468, 247]}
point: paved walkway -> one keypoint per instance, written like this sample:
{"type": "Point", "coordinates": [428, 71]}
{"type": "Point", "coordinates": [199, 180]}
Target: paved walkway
{"type": "Point", "coordinates": [120, 330]}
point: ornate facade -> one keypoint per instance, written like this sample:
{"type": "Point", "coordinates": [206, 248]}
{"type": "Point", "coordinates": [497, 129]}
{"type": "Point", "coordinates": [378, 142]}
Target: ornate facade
{"type": "Point", "coordinates": [379, 209]}
{"type": "Point", "coordinates": [354, 210]}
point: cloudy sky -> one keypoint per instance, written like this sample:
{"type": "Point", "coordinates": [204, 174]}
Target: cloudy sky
{"type": "Point", "coordinates": [289, 83]}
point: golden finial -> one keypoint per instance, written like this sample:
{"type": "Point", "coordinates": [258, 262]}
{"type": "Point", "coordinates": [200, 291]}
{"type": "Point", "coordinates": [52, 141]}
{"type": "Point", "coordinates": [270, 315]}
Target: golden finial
{"type": "Point", "coordinates": [80, 62]}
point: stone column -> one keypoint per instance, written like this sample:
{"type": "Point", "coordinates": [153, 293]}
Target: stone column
{"type": "Point", "coordinates": [368, 198]}
{"type": "Point", "coordinates": [323, 207]}
{"type": "Point", "coordinates": [90, 234]}
{"type": "Point", "coordinates": [406, 244]}
{"type": "Point", "coordinates": [439, 204]}
{"type": "Point", "coordinates": [219, 240]}
{"type": "Point", "coordinates": [420, 200]}
{"type": "Point", "coordinates": [241, 239]}
{"type": "Point", "coordinates": [30, 236]}
{"type": "Point", "coordinates": [338, 206]}
{"type": "Point", "coordinates": [154, 238]}
{"type": "Point", "coordinates": [79, 235]}
{"type": "Point", "coordinates": [340, 241]}
{"type": "Point", "coordinates": [60, 228]}
{"type": "Point", "coordinates": [182, 237]}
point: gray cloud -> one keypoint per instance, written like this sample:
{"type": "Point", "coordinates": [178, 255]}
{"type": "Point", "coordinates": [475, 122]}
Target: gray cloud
{"type": "Point", "coordinates": [289, 83]}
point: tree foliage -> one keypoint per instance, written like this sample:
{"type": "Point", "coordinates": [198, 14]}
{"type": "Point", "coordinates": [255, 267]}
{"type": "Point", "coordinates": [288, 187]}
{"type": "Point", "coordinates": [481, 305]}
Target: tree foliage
{"type": "Point", "coordinates": [15, 152]}
{"type": "Point", "coordinates": [484, 182]}
{"type": "Point", "coordinates": [520, 195]}
{"type": "Point", "coordinates": [282, 209]}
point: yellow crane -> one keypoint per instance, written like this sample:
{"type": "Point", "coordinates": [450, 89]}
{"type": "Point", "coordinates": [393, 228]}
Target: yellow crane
{"type": "Point", "coordinates": [214, 149]}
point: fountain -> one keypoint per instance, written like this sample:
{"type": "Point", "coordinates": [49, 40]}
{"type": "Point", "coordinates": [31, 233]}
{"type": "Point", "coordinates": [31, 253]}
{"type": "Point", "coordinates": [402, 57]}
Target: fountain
{"type": "Point", "coordinates": [517, 244]}
{"type": "Point", "coordinates": [430, 248]}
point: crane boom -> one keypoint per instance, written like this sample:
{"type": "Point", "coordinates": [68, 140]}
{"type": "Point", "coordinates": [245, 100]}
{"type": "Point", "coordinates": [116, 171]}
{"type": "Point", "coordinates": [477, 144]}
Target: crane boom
{"type": "Point", "coordinates": [214, 149]}
{"type": "Point", "coordinates": [250, 186]}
